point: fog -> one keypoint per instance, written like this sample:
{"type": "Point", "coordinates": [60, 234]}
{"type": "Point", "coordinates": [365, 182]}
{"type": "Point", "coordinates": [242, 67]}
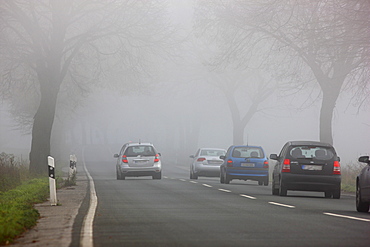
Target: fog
{"type": "Point", "coordinates": [180, 109]}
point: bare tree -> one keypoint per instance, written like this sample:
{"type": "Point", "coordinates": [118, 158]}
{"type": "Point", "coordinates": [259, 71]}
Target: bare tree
{"type": "Point", "coordinates": [329, 38]}
{"type": "Point", "coordinates": [65, 44]}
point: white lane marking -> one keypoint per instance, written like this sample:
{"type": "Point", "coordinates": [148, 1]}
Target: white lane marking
{"type": "Point", "coordinates": [224, 190]}
{"type": "Point", "coordinates": [182, 180]}
{"type": "Point", "coordinates": [348, 217]}
{"type": "Point", "coordinates": [86, 235]}
{"type": "Point", "coordinates": [207, 185]}
{"type": "Point", "coordinates": [250, 197]}
{"type": "Point", "coordinates": [282, 205]}
{"type": "Point", "coordinates": [165, 177]}
{"type": "Point", "coordinates": [193, 182]}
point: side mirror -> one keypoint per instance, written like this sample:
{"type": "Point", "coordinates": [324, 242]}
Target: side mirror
{"type": "Point", "coordinates": [222, 157]}
{"type": "Point", "coordinates": [364, 159]}
{"type": "Point", "coordinates": [192, 156]}
{"type": "Point", "coordinates": [115, 155]}
{"type": "Point", "coordinates": [274, 157]}
{"type": "Point", "coordinates": [159, 154]}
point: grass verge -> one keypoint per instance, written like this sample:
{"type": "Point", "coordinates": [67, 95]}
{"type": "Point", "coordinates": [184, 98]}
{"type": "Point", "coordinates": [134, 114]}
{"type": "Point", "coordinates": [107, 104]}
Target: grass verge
{"type": "Point", "coordinates": [17, 212]}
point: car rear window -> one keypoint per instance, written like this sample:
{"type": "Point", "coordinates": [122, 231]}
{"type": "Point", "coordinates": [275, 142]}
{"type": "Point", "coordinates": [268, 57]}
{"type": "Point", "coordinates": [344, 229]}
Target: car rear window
{"type": "Point", "coordinates": [247, 152]}
{"type": "Point", "coordinates": [212, 152]}
{"type": "Point", "coordinates": [310, 152]}
{"type": "Point", "coordinates": [142, 150]}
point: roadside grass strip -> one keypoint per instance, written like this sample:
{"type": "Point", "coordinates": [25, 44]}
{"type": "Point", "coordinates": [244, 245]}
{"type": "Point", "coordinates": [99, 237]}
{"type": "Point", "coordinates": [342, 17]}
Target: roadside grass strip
{"type": "Point", "coordinates": [282, 205]}
{"type": "Point", "coordinates": [224, 190]}
{"type": "Point", "coordinates": [249, 197]}
{"type": "Point", "coordinates": [347, 217]}
{"type": "Point", "coordinates": [17, 212]}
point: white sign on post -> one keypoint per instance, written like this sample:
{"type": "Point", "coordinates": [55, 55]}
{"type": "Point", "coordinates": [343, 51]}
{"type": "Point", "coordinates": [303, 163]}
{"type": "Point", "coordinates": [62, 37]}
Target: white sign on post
{"type": "Point", "coordinates": [53, 192]}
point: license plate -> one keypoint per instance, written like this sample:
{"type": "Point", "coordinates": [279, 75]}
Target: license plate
{"type": "Point", "coordinates": [247, 164]}
{"type": "Point", "coordinates": [312, 167]}
{"type": "Point", "coordinates": [140, 161]}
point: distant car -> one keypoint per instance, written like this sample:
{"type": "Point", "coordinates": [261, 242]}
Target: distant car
{"type": "Point", "coordinates": [307, 166]}
{"type": "Point", "coordinates": [138, 159]}
{"type": "Point", "coordinates": [245, 163]}
{"type": "Point", "coordinates": [206, 162]}
{"type": "Point", "coordinates": [363, 186]}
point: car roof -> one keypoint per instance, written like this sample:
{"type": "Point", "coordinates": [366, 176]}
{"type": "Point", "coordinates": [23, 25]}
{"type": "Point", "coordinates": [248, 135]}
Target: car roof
{"type": "Point", "coordinates": [221, 149]}
{"type": "Point", "coordinates": [246, 146]}
{"type": "Point", "coordinates": [316, 143]}
{"type": "Point", "coordinates": [140, 144]}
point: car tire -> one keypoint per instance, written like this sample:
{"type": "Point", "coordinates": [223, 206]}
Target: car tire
{"type": "Point", "coordinates": [361, 206]}
{"type": "Point", "coordinates": [123, 177]}
{"type": "Point", "coordinates": [275, 191]}
{"type": "Point", "coordinates": [328, 194]}
{"type": "Point", "coordinates": [227, 178]}
{"type": "Point", "coordinates": [222, 178]}
{"type": "Point", "coordinates": [266, 182]}
{"type": "Point", "coordinates": [336, 193]}
{"type": "Point", "coordinates": [260, 182]}
{"type": "Point", "coordinates": [282, 190]}
{"type": "Point", "coordinates": [157, 175]}
{"type": "Point", "coordinates": [118, 174]}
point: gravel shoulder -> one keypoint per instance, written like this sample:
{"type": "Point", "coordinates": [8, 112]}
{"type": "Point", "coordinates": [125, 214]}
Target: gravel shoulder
{"type": "Point", "coordinates": [54, 228]}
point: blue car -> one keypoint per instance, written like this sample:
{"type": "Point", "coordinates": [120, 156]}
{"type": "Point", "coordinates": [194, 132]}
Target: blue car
{"type": "Point", "coordinates": [245, 163]}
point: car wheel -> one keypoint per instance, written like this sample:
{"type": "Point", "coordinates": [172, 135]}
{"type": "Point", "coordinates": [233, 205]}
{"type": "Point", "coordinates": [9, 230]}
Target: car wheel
{"type": "Point", "coordinates": [361, 206]}
{"type": "Point", "coordinates": [328, 194]}
{"type": "Point", "coordinates": [266, 182]}
{"type": "Point", "coordinates": [227, 178]}
{"type": "Point", "coordinates": [222, 178]}
{"type": "Point", "coordinates": [275, 191]}
{"type": "Point", "coordinates": [157, 175]}
{"type": "Point", "coordinates": [336, 193]}
{"type": "Point", "coordinates": [118, 174]}
{"type": "Point", "coordinates": [191, 174]}
{"type": "Point", "coordinates": [260, 182]}
{"type": "Point", "coordinates": [123, 177]}
{"type": "Point", "coordinates": [282, 190]}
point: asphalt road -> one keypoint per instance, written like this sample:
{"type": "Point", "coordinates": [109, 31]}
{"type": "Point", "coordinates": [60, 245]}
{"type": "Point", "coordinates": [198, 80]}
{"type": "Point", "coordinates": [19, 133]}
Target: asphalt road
{"type": "Point", "coordinates": [177, 211]}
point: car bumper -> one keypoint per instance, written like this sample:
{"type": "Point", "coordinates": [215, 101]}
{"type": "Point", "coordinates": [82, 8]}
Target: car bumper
{"type": "Point", "coordinates": [311, 182]}
{"type": "Point", "coordinates": [140, 171]}
{"type": "Point", "coordinates": [247, 173]}
{"type": "Point", "coordinates": [207, 170]}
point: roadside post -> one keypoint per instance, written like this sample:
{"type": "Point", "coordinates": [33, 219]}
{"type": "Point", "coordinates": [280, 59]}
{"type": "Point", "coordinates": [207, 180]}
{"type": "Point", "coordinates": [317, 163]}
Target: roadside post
{"type": "Point", "coordinates": [72, 169]}
{"type": "Point", "coordinates": [53, 192]}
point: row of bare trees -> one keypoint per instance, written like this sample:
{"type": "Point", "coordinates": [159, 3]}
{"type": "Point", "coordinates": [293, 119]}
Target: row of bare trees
{"type": "Point", "coordinates": [55, 51]}
{"type": "Point", "coordinates": [299, 42]}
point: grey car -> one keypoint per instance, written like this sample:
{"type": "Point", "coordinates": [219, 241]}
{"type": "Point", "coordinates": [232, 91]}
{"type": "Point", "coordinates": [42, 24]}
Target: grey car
{"type": "Point", "coordinates": [138, 159]}
{"type": "Point", "coordinates": [206, 162]}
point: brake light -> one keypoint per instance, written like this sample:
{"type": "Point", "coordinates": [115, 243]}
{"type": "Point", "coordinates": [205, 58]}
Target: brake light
{"type": "Point", "coordinates": [286, 166]}
{"type": "Point", "coordinates": [124, 159]}
{"type": "Point", "coordinates": [201, 159]}
{"type": "Point", "coordinates": [229, 163]}
{"type": "Point", "coordinates": [266, 164]}
{"type": "Point", "coordinates": [336, 168]}
{"type": "Point", "coordinates": [156, 159]}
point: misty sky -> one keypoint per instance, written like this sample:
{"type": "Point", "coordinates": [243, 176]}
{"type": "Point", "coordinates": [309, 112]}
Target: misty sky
{"type": "Point", "coordinates": [179, 99]}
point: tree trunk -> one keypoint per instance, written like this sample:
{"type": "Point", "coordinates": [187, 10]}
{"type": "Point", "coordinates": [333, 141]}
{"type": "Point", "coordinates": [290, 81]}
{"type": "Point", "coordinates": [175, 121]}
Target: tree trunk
{"type": "Point", "coordinates": [238, 133]}
{"type": "Point", "coordinates": [330, 97]}
{"type": "Point", "coordinates": [41, 132]}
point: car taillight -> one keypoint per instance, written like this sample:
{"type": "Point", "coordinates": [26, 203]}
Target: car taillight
{"type": "Point", "coordinates": [266, 164]}
{"type": "Point", "coordinates": [286, 166]}
{"type": "Point", "coordinates": [201, 159]}
{"type": "Point", "coordinates": [156, 159]}
{"type": "Point", "coordinates": [336, 169]}
{"type": "Point", "coordinates": [124, 159]}
{"type": "Point", "coordinates": [229, 163]}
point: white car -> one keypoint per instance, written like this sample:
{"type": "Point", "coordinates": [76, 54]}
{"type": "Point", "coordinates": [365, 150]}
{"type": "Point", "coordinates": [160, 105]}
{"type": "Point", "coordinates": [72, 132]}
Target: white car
{"type": "Point", "coordinates": [138, 159]}
{"type": "Point", "coordinates": [206, 162]}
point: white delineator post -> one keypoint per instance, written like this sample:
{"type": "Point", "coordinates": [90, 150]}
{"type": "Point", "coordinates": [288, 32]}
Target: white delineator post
{"type": "Point", "coordinates": [53, 191]}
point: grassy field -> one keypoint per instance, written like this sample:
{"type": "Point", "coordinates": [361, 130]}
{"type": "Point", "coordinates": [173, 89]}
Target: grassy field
{"type": "Point", "coordinates": [18, 194]}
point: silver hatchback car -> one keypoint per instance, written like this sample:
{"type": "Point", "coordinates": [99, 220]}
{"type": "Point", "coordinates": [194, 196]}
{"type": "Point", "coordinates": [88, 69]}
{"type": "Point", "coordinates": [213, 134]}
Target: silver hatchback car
{"type": "Point", "coordinates": [206, 162]}
{"type": "Point", "coordinates": [138, 159]}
